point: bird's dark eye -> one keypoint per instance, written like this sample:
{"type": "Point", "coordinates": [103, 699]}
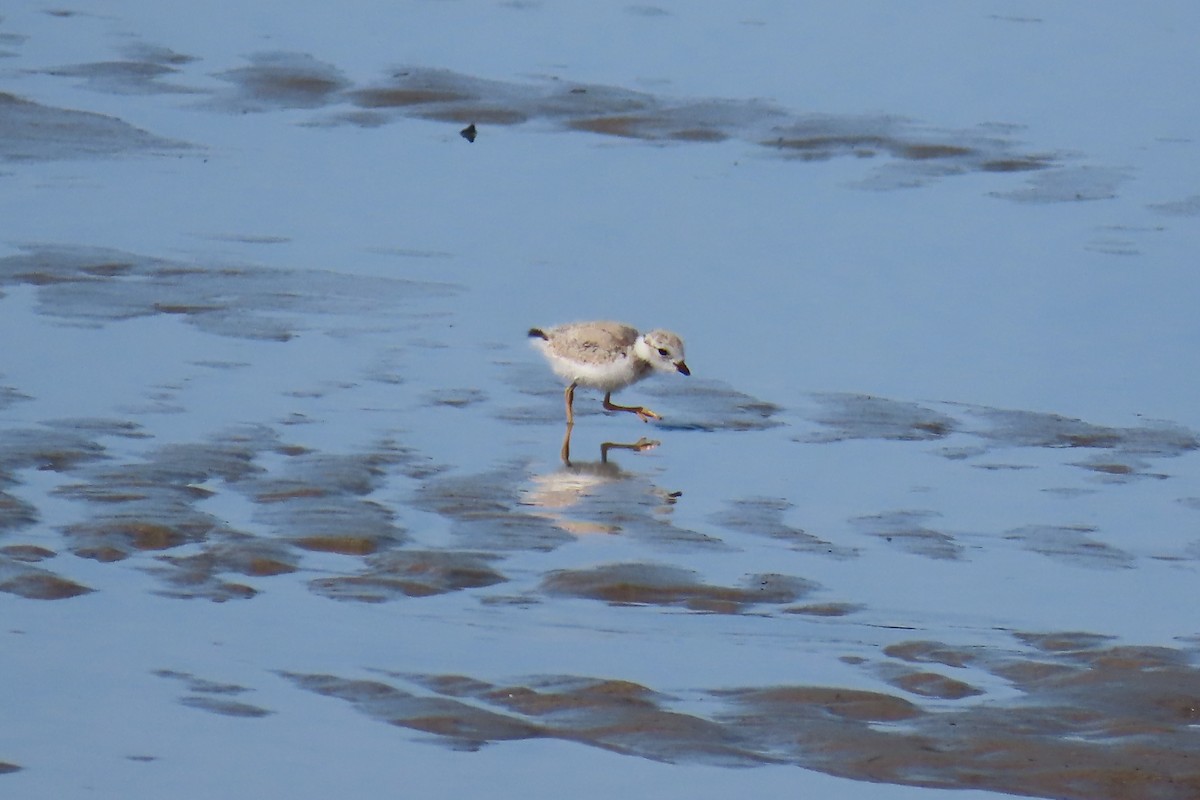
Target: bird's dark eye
{"type": "Point", "coordinates": [664, 352]}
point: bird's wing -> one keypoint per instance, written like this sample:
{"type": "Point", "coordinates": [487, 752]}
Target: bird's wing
{"type": "Point", "coordinates": [593, 341]}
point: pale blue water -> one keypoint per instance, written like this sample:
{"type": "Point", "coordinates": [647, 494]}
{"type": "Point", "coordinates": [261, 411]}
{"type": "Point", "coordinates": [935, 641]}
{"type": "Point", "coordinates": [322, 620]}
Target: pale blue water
{"type": "Point", "coordinates": [934, 264]}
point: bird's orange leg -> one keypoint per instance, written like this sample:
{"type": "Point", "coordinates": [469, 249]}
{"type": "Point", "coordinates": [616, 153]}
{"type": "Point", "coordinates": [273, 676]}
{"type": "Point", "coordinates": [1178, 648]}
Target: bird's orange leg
{"type": "Point", "coordinates": [645, 413]}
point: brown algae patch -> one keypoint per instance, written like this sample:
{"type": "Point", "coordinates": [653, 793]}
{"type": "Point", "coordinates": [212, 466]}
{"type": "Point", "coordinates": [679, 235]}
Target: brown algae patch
{"type": "Point", "coordinates": [411, 573]}
{"type": "Point", "coordinates": [1015, 428]}
{"type": "Point", "coordinates": [399, 97]}
{"type": "Point", "coordinates": [614, 111]}
{"type": "Point", "coordinates": [921, 152]}
{"type": "Point", "coordinates": [618, 716]}
{"type": "Point", "coordinates": [932, 685]}
{"type": "Point", "coordinates": [46, 449]}
{"type": "Point", "coordinates": [712, 405]}
{"type": "Point", "coordinates": [698, 135]}
{"type": "Point", "coordinates": [857, 416]}
{"type": "Point", "coordinates": [659, 584]}
{"type": "Point", "coordinates": [1094, 723]}
{"type": "Point", "coordinates": [117, 537]}
{"type": "Point", "coordinates": [15, 513]}
{"type": "Point", "coordinates": [764, 516]}
{"type": "Point", "coordinates": [908, 531]}
{"type": "Point", "coordinates": [308, 502]}
{"type": "Point", "coordinates": [1018, 164]}
{"type": "Point", "coordinates": [1117, 454]}
{"type": "Point", "coordinates": [28, 553]}
{"type": "Point", "coordinates": [825, 609]}
{"type": "Point", "coordinates": [1071, 545]}
{"type": "Point", "coordinates": [1187, 207]}
{"type": "Point", "coordinates": [35, 132]}
{"type": "Point", "coordinates": [287, 493]}
{"type": "Point", "coordinates": [138, 535]}
{"type": "Point", "coordinates": [282, 80]}
{"type": "Point", "coordinates": [150, 505]}
{"type": "Point", "coordinates": [563, 697]}
{"type": "Point", "coordinates": [303, 502]}
{"type": "Point", "coordinates": [461, 725]}
{"type": "Point", "coordinates": [134, 77]}
{"type": "Point", "coordinates": [822, 146]}
{"type": "Point", "coordinates": [224, 707]}
{"type": "Point", "coordinates": [10, 396]}
{"type": "Point", "coordinates": [1068, 641]}
{"type": "Point", "coordinates": [1070, 184]}
{"type": "Point", "coordinates": [37, 584]}
{"type": "Point", "coordinates": [212, 696]}
{"type": "Point", "coordinates": [277, 80]}
{"type": "Point", "coordinates": [475, 114]}
{"type": "Point", "coordinates": [486, 512]}
{"type": "Point", "coordinates": [321, 498]}
{"type": "Point", "coordinates": [1090, 721]}
{"type": "Point", "coordinates": [200, 574]}
{"type": "Point", "coordinates": [346, 544]}
{"type": "Point", "coordinates": [455, 398]}
{"type": "Point", "coordinates": [923, 652]}
{"type": "Point", "coordinates": [98, 286]}
{"type": "Point", "coordinates": [624, 126]}
{"type": "Point", "coordinates": [341, 522]}
{"type": "Point", "coordinates": [821, 702]}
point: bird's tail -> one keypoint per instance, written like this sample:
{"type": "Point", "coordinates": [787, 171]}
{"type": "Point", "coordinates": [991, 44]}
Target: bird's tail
{"type": "Point", "coordinates": [537, 333]}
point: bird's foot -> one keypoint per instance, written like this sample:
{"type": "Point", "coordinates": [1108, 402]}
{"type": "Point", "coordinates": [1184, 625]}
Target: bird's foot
{"type": "Point", "coordinates": [639, 446]}
{"type": "Point", "coordinates": [646, 414]}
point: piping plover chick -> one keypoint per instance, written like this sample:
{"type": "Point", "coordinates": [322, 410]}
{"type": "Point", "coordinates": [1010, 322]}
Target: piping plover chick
{"type": "Point", "coordinates": [608, 356]}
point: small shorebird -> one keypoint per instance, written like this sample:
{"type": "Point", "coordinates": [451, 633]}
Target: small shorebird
{"type": "Point", "coordinates": [608, 356]}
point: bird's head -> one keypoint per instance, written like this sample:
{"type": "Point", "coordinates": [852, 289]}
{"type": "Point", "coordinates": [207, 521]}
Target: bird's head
{"type": "Point", "coordinates": [663, 350]}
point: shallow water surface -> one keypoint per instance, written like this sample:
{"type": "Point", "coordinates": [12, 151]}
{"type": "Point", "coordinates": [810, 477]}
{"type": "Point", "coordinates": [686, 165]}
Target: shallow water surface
{"type": "Point", "coordinates": [282, 508]}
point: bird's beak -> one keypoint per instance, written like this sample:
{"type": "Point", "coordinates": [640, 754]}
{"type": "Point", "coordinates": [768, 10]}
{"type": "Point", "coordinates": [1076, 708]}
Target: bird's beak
{"type": "Point", "coordinates": [682, 367]}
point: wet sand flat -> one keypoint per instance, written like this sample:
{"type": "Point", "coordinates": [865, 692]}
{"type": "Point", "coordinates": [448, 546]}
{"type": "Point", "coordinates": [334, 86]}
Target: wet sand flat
{"type": "Point", "coordinates": [282, 507]}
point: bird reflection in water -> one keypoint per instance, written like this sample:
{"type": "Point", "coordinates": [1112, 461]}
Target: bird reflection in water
{"type": "Point", "coordinates": [617, 493]}
{"type": "Point", "coordinates": [641, 444]}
